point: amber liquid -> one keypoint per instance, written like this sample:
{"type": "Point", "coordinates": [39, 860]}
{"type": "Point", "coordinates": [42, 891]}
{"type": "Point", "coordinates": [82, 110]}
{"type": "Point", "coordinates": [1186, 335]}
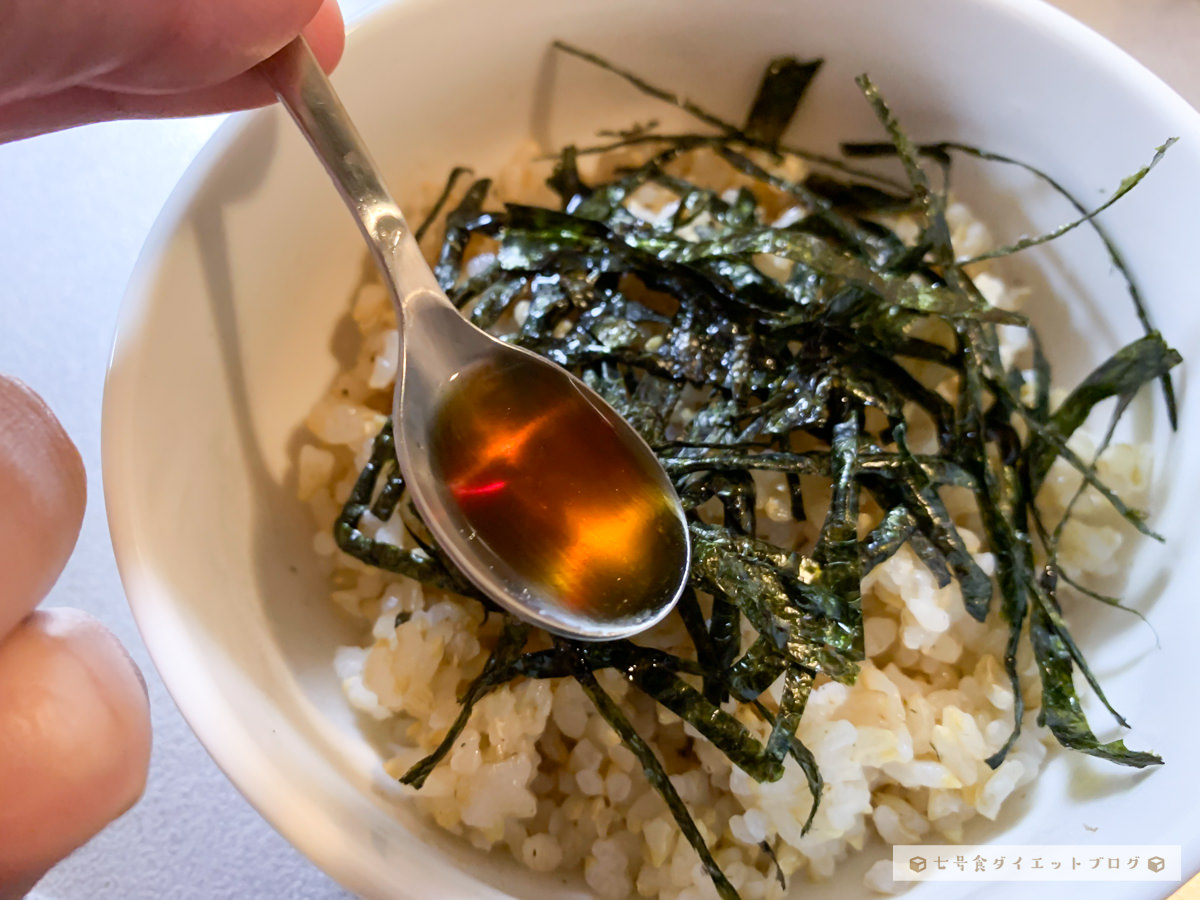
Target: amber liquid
{"type": "Point", "coordinates": [552, 488]}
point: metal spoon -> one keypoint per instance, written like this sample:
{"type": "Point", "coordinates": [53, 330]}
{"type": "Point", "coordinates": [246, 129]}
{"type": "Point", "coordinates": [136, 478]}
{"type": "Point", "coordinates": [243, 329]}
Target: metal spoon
{"type": "Point", "coordinates": [544, 582]}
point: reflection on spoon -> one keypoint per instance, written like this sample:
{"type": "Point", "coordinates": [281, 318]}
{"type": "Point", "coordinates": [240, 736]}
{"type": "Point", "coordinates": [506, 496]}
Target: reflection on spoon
{"type": "Point", "coordinates": [556, 490]}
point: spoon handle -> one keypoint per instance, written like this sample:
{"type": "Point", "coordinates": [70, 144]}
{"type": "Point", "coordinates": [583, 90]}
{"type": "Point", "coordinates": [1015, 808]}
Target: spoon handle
{"type": "Point", "coordinates": [301, 85]}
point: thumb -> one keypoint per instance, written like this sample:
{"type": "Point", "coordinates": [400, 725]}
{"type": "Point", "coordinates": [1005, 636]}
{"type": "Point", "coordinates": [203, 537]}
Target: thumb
{"type": "Point", "coordinates": [74, 741]}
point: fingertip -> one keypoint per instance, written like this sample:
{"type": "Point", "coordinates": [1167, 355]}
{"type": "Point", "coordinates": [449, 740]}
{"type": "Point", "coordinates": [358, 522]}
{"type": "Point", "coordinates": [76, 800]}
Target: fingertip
{"type": "Point", "coordinates": [74, 739]}
{"type": "Point", "coordinates": [326, 34]}
{"type": "Point", "coordinates": [44, 491]}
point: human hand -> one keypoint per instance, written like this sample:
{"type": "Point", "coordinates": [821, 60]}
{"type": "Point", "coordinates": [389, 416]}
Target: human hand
{"type": "Point", "coordinates": [74, 719]}
{"type": "Point", "coordinates": [70, 62]}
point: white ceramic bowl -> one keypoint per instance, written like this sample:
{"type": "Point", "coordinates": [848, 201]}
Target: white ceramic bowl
{"type": "Point", "coordinates": [225, 341]}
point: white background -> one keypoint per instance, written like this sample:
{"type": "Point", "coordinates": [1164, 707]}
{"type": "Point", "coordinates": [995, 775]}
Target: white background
{"type": "Point", "coordinates": [74, 211]}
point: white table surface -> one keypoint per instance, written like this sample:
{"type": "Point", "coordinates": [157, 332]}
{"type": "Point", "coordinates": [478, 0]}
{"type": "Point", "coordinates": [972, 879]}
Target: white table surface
{"type": "Point", "coordinates": [97, 191]}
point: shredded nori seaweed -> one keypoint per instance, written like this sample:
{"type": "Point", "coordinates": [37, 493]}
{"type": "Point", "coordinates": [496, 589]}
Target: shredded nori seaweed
{"type": "Point", "coordinates": [737, 373]}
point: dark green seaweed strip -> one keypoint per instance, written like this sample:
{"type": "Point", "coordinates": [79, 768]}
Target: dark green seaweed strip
{"type": "Point", "coordinates": [935, 523]}
{"type": "Point", "coordinates": [1122, 373]}
{"type": "Point", "coordinates": [652, 769]}
{"type": "Point", "coordinates": [692, 617]}
{"type": "Point", "coordinates": [1127, 184]}
{"type": "Point", "coordinates": [559, 231]}
{"type": "Point", "coordinates": [750, 548]}
{"type": "Point", "coordinates": [796, 494]}
{"type": "Point", "coordinates": [807, 763]}
{"type": "Point", "coordinates": [494, 300]}
{"type": "Point", "coordinates": [646, 88]}
{"type": "Point", "coordinates": [805, 622]}
{"type": "Point", "coordinates": [885, 539]}
{"type": "Point", "coordinates": [922, 500]}
{"type": "Point", "coordinates": [1058, 446]}
{"type": "Point", "coordinates": [934, 240]}
{"type": "Point", "coordinates": [1048, 604]}
{"type": "Point", "coordinates": [512, 640]}
{"type": "Point", "coordinates": [1061, 711]}
{"type": "Point", "coordinates": [879, 382]}
{"type": "Point", "coordinates": [1107, 601]}
{"type": "Point", "coordinates": [354, 542]}
{"type": "Point", "coordinates": [857, 197]}
{"type": "Point", "coordinates": [763, 764]}
{"type": "Point", "coordinates": [767, 849]}
{"type": "Point", "coordinates": [844, 230]}
{"type": "Point", "coordinates": [783, 85]}
{"type": "Point", "coordinates": [767, 461]}
{"type": "Point", "coordinates": [905, 149]}
{"type": "Point", "coordinates": [1004, 506]}
{"type": "Point", "coordinates": [736, 491]}
{"type": "Point", "coordinates": [456, 173]}
{"type": "Point", "coordinates": [566, 182]}
{"type": "Point", "coordinates": [458, 232]}
{"type": "Point", "coordinates": [725, 639]}
{"type": "Point", "coordinates": [1041, 378]}
{"type": "Point", "coordinates": [837, 551]}
{"type": "Point", "coordinates": [897, 528]}
{"type": "Point", "coordinates": [1051, 541]}
{"type": "Point", "coordinates": [757, 669]}
{"type": "Point", "coordinates": [389, 495]}
{"type": "Point", "coordinates": [637, 129]}
{"type": "Point", "coordinates": [692, 141]}
{"type": "Point", "coordinates": [797, 685]}
{"type": "Point", "coordinates": [1014, 557]}
{"type": "Point", "coordinates": [938, 469]}
{"type": "Point", "coordinates": [620, 655]}
{"type": "Point", "coordinates": [1114, 254]}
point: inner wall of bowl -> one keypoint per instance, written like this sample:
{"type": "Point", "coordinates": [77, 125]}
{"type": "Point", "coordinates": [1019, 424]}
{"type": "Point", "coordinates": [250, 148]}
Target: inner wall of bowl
{"type": "Point", "coordinates": [232, 338]}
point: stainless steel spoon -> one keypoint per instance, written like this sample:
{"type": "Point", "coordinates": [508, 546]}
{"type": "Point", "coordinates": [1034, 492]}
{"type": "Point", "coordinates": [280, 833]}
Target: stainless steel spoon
{"type": "Point", "coordinates": [546, 584]}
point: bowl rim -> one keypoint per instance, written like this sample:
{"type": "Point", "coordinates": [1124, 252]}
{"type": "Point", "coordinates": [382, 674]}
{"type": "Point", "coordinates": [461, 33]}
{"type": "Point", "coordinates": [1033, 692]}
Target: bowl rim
{"type": "Point", "coordinates": [233, 750]}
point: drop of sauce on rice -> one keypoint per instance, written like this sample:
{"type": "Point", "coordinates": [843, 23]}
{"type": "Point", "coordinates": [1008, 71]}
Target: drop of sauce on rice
{"type": "Point", "coordinates": [553, 488]}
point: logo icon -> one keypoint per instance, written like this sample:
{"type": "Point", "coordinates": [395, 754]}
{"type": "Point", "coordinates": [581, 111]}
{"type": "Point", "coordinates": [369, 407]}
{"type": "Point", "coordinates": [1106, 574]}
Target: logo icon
{"type": "Point", "coordinates": [917, 864]}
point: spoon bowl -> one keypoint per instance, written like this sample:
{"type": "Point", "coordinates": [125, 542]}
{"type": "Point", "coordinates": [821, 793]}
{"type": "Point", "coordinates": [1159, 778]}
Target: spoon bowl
{"type": "Point", "coordinates": [562, 515]}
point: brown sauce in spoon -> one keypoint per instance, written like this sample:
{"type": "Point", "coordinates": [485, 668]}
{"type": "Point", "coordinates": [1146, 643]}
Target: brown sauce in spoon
{"type": "Point", "coordinates": [556, 491]}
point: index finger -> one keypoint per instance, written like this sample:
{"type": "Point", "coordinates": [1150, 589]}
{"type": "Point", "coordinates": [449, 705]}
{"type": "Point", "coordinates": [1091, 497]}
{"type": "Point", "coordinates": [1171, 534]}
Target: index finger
{"type": "Point", "coordinates": [140, 46]}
